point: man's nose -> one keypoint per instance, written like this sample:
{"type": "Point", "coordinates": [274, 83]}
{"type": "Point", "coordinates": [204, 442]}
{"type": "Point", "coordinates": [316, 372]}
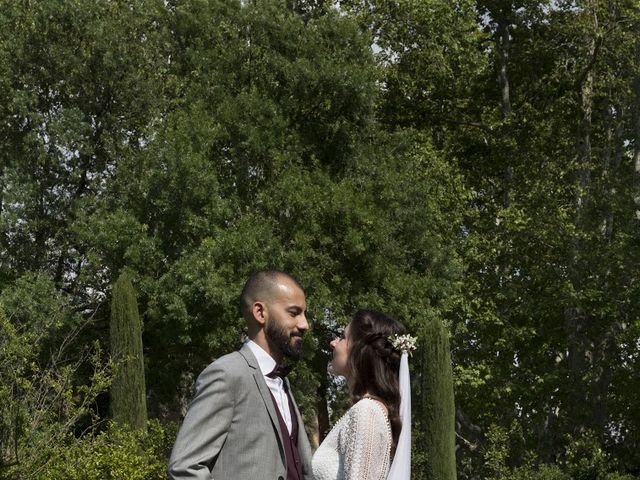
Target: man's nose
{"type": "Point", "coordinates": [303, 324]}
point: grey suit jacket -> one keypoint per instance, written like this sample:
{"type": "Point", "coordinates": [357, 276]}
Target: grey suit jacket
{"type": "Point", "coordinates": [231, 428]}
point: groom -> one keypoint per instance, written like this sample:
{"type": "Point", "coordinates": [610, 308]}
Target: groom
{"type": "Point", "coordinates": [243, 423]}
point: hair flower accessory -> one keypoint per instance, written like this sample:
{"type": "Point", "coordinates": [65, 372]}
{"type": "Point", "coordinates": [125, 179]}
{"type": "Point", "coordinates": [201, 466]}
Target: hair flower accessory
{"type": "Point", "coordinates": [403, 343]}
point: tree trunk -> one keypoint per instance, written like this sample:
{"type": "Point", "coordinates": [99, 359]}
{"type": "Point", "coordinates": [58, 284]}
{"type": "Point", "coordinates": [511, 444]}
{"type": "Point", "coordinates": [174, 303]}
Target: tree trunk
{"type": "Point", "coordinates": [503, 45]}
{"type": "Point", "coordinates": [575, 316]}
{"type": "Point", "coordinates": [636, 135]}
{"type": "Point", "coordinates": [604, 351]}
{"type": "Point", "coordinates": [323, 417]}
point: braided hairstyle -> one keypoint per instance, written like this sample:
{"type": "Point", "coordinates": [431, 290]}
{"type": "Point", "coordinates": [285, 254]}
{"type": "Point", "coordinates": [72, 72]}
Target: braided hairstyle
{"type": "Point", "coordinates": [374, 364]}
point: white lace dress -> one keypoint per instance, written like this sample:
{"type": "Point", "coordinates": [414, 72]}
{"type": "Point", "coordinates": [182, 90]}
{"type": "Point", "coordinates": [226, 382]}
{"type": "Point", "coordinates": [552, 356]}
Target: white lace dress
{"type": "Point", "coordinates": [358, 447]}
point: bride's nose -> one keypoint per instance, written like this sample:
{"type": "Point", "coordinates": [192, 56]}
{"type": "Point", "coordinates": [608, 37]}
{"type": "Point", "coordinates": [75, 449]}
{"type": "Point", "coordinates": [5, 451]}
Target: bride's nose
{"type": "Point", "coordinates": [333, 342]}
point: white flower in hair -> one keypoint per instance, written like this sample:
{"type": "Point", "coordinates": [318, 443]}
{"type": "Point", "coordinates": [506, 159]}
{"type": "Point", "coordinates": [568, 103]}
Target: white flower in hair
{"type": "Point", "coordinates": [403, 343]}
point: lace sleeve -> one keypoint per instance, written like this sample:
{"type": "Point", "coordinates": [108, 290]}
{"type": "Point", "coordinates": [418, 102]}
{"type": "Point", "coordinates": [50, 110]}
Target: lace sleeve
{"type": "Point", "coordinates": [366, 442]}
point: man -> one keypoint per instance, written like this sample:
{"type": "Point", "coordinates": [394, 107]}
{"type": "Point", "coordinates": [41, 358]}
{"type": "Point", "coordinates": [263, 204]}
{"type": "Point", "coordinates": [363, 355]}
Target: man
{"type": "Point", "coordinates": [243, 423]}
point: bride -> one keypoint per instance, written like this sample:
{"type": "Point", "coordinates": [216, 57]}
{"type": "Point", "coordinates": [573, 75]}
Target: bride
{"type": "Point", "coordinates": [372, 441]}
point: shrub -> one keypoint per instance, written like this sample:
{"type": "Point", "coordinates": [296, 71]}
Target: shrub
{"type": "Point", "coordinates": [118, 453]}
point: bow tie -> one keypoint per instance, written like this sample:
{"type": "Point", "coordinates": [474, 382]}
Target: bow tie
{"type": "Point", "coordinates": [280, 371]}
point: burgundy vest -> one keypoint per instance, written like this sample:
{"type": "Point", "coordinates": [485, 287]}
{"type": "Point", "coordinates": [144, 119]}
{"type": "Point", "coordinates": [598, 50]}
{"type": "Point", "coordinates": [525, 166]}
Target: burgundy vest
{"type": "Point", "coordinates": [294, 466]}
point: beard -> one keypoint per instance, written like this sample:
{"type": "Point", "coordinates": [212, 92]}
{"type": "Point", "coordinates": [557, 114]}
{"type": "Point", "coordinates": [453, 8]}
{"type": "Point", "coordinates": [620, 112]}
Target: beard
{"type": "Point", "coordinates": [279, 339]}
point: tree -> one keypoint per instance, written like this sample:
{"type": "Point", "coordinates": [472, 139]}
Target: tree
{"type": "Point", "coordinates": [438, 420]}
{"type": "Point", "coordinates": [542, 131]}
{"type": "Point", "coordinates": [128, 390]}
{"type": "Point", "coordinates": [472, 162]}
{"type": "Point", "coordinates": [50, 381]}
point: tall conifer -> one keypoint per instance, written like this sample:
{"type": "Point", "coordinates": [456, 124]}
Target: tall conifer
{"type": "Point", "coordinates": [128, 392]}
{"type": "Point", "coordinates": [438, 407]}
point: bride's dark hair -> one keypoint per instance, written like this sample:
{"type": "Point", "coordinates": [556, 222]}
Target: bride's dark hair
{"type": "Point", "coordinates": [373, 363]}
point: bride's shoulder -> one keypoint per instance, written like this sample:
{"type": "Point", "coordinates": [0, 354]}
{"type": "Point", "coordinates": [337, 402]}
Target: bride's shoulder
{"type": "Point", "coordinates": [368, 406]}
{"type": "Point", "coordinates": [367, 419]}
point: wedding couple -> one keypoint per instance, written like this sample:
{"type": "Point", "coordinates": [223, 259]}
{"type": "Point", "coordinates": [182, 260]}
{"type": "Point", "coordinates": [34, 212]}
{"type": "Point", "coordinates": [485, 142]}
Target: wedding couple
{"type": "Point", "coordinates": [243, 423]}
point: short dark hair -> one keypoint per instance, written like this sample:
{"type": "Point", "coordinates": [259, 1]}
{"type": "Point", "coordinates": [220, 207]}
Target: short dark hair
{"type": "Point", "coordinates": [258, 284]}
{"type": "Point", "coordinates": [374, 364]}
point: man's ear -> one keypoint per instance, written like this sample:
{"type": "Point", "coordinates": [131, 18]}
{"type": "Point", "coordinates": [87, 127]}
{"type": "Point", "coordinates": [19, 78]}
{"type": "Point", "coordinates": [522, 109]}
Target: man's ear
{"type": "Point", "coordinates": [259, 311]}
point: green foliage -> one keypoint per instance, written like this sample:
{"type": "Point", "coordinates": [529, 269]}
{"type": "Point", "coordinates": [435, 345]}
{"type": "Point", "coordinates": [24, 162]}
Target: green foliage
{"type": "Point", "coordinates": [436, 412]}
{"type": "Point", "coordinates": [544, 472]}
{"type": "Point", "coordinates": [49, 385]}
{"type": "Point", "coordinates": [585, 459]}
{"type": "Point", "coordinates": [128, 391]}
{"type": "Point", "coordinates": [496, 455]}
{"type": "Point", "coordinates": [117, 453]}
{"type": "Point", "coordinates": [194, 142]}
{"type": "Point", "coordinates": [82, 83]}
{"type": "Point", "coordinates": [582, 459]}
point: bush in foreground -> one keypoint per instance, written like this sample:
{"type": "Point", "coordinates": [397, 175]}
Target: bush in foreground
{"type": "Point", "coordinates": [118, 453]}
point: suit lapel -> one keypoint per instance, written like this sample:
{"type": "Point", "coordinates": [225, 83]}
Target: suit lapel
{"type": "Point", "coordinates": [268, 403]}
{"type": "Point", "coordinates": [264, 393]}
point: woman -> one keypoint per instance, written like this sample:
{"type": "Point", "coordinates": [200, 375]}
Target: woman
{"type": "Point", "coordinates": [363, 442]}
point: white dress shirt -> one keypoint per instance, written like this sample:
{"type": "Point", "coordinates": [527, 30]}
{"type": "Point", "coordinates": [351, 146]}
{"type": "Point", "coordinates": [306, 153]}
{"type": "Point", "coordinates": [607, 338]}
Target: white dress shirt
{"type": "Point", "coordinates": [276, 385]}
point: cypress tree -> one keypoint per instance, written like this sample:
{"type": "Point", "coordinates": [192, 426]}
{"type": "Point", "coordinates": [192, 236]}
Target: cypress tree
{"type": "Point", "coordinates": [128, 392]}
{"type": "Point", "coordinates": [438, 406]}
